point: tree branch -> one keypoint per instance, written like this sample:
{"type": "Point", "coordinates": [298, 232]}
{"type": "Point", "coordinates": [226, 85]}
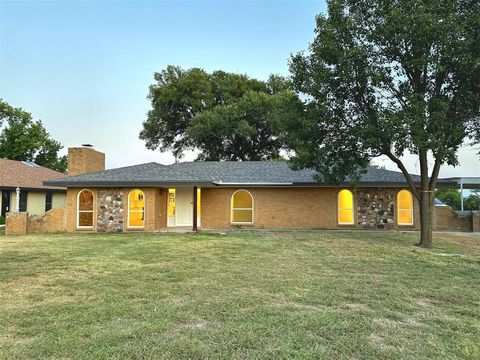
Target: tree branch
{"type": "Point", "coordinates": [405, 173]}
{"type": "Point", "coordinates": [434, 176]}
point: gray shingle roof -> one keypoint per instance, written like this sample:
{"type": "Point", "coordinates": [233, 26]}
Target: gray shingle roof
{"type": "Point", "coordinates": [217, 173]}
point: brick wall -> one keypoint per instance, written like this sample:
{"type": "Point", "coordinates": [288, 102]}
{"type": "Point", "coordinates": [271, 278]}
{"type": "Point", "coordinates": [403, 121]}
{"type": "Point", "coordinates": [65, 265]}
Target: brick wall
{"type": "Point", "coordinates": [476, 221]}
{"type": "Point", "coordinates": [35, 224]}
{"type": "Point", "coordinates": [444, 218]}
{"type": "Point", "coordinates": [305, 208]}
{"type": "Point", "coordinates": [16, 223]}
{"type": "Point", "coordinates": [56, 220]}
{"type": "Point", "coordinates": [21, 223]}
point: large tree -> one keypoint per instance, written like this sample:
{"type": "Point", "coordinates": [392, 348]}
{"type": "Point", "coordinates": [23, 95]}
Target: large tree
{"type": "Point", "coordinates": [387, 77]}
{"type": "Point", "coordinates": [24, 139]}
{"type": "Point", "coordinates": [224, 116]}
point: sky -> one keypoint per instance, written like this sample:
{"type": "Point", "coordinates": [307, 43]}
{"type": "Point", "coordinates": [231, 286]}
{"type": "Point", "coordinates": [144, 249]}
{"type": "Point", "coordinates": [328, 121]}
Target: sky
{"type": "Point", "coordinates": [84, 67]}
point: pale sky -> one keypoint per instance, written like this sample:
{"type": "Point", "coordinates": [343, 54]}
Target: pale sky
{"type": "Point", "coordinates": [84, 67]}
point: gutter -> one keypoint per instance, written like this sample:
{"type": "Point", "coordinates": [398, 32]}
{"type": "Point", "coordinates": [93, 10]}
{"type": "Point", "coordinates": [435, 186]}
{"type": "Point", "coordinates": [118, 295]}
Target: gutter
{"type": "Point", "coordinates": [221, 183]}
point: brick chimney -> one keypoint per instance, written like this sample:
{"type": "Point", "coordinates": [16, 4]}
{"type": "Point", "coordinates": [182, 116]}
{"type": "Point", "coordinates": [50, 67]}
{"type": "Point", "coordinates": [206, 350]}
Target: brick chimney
{"type": "Point", "coordinates": [85, 159]}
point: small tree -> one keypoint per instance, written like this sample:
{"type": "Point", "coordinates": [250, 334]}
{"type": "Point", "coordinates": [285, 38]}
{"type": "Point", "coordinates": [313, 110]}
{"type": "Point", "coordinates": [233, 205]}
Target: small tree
{"type": "Point", "coordinates": [22, 138]}
{"type": "Point", "coordinates": [450, 197]}
{"type": "Point", "coordinates": [472, 202]}
{"type": "Point", "coordinates": [388, 77]}
{"type": "Point", "coordinates": [224, 116]}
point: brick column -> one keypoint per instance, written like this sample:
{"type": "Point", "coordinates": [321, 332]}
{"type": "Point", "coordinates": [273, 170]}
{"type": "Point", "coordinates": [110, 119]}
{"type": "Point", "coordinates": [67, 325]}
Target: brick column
{"type": "Point", "coordinates": [16, 223]}
{"type": "Point", "coordinates": [476, 221]}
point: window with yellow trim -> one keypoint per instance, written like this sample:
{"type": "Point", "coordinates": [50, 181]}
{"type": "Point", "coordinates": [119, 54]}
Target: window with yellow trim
{"type": "Point", "coordinates": [404, 208]}
{"type": "Point", "coordinates": [136, 209]}
{"type": "Point", "coordinates": [345, 207]}
{"type": "Point", "coordinates": [242, 207]}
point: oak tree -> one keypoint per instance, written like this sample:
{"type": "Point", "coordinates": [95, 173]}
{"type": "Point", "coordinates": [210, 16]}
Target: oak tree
{"type": "Point", "coordinates": [387, 77]}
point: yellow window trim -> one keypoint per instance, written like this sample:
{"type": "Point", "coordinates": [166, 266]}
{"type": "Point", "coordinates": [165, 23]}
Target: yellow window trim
{"type": "Point", "coordinates": [232, 209]}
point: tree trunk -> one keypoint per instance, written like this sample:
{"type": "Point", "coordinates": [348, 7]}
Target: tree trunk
{"type": "Point", "coordinates": [426, 218]}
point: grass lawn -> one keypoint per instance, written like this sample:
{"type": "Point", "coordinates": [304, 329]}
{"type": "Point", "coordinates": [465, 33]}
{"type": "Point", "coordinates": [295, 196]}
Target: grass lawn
{"type": "Point", "coordinates": [323, 294]}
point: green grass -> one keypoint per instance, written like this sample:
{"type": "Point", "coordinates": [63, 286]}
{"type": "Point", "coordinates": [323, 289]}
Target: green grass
{"type": "Point", "coordinates": [321, 294]}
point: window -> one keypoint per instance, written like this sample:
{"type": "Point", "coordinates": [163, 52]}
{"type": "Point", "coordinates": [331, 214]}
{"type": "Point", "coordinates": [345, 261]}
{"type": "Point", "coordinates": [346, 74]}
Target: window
{"type": "Point", "coordinates": [85, 209]}
{"type": "Point", "coordinates": [242, 207]}
{"type": "Point", "coordinates": [345, 207]}
{"type": "Point", "coordinates": [48, 200]}
{"type": "Point", "coordinates": [171, 202]}
{"type": "Point", "coordinates": [136, 209]}
{"type": "Point", "coordinates": [23, 201]}
{"type": "Point", "coordinates": [404, 208]}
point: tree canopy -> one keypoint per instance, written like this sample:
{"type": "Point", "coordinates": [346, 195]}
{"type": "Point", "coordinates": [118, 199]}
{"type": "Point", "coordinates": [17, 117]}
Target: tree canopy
{"type": "Point", "coordinates": [224, 116]}
{"type": "Point", "coordinates": [386, 78]}
{"type": "Point", "coordinates": [24, 139]}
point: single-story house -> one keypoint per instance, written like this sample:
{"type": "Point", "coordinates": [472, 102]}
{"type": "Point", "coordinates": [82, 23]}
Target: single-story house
{"type": "Point", "coordinates": [220, 195]}
{"type": "Point", "coordinates": [34, 197]}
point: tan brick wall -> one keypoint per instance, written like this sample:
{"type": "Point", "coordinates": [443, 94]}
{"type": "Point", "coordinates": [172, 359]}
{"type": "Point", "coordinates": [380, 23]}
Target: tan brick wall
{"type": "Point", "coordinates": [35, 224]}
{"type": "Point", "coordinates": [444, 218]}
{"type": "Point", "coordinates": [22, 223]}
{"type": "Point", "coordinates": [56, 220]}
{"type": "Point", "coordinates": [16, 223]}
{"type": "Point", "coordinates": [82, 160]}
{"type": "Point", "coordinates": [273, 207]}
{"type": "Point", "coordinates": [285, 208]}
{"type": "Point", "coordinates": [476, 221]}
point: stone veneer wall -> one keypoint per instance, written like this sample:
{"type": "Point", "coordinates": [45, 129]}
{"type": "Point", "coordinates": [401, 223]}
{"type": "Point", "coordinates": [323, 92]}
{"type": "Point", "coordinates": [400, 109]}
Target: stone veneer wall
{"type": "Point", "coordinates": [110, 211]}
{"type": "Point", "coordinates": [376, 208]}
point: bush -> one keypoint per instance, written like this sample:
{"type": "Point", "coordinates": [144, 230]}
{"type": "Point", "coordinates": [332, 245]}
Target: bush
{"type": "Point", "coordinates": [450, 197]}
{"type": "Point", "coordinates": [2, 220]}
{"type": "Point", "coordinates": [472, 202]}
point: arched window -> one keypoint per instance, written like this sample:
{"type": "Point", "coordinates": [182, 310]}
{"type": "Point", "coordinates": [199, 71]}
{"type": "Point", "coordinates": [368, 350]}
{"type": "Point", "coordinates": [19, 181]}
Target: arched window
{"type": "Point", "coordinates": [136, 209]}
{"type": "Point", "coordinates": [85, 209]}
{"type": "Point", "coordinates": [242, 207]}
{"type": "Point", "coordinates": [345, 207]}
{"type": "Point", "coordinates": [404, 208]}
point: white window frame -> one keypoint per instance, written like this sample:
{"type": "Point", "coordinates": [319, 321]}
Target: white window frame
{"type": "Point", "coordinates": [136, 211]}
{"type": "Point", "coordinates": [232, 209]}
{"type": "Point", "coordinates": [411, 208]}
{"type": "Point", "coordinates": [85, 211]}
{"type": "Point", "coordinates": [339, 209]}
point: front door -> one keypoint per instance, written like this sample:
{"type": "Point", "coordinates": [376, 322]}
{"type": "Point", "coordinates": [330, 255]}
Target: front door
{"type": "Point", "coordinates": [5, 202]}
{"type": "Point", "coordinates": [184, 207]}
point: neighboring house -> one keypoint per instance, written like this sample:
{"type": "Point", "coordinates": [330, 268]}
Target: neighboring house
{"type": "Point", "coordinates": [215, 195]}
{"type": "Point", "coordinates": [35, 197]}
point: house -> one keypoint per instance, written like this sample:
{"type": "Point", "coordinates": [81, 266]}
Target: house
{"type": "Point", "coordinates": [221, 195]}
{"type": "Point", "coordinates": [34, 196]}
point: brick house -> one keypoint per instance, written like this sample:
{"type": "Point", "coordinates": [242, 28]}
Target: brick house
{"type": "Point", "coordinates": [221, 195]}
{"type": "Point", "coordinates": [34, 197]}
